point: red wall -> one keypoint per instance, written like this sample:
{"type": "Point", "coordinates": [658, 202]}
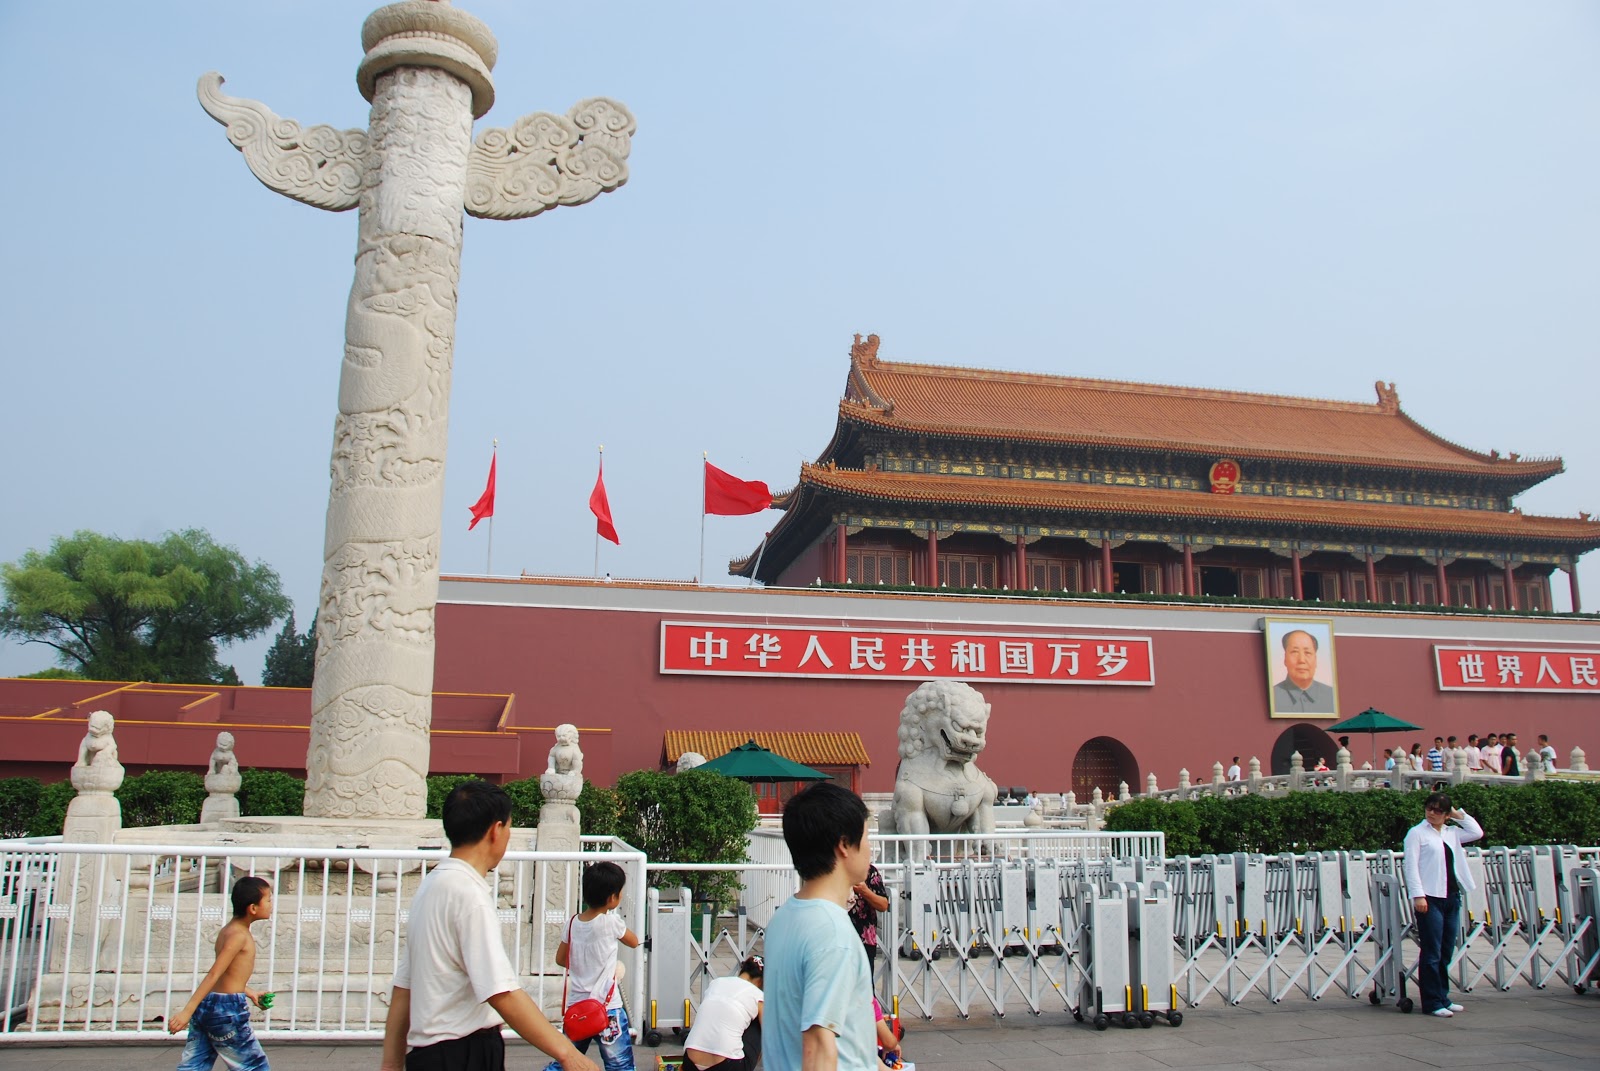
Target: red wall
{"type": "Point", "coordinates": [1209, 702]}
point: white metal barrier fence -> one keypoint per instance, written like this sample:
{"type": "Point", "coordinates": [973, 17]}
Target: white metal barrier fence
{"type": "Point", "coordinates": [996, 936]}
{"type": "Point", "coordinates": [108, 941]}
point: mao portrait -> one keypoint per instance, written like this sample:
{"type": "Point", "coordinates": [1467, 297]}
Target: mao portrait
{"type": "Point", "coordinates": [1302, 678]}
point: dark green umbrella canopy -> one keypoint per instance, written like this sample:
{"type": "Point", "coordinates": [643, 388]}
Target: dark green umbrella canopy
{"type": "Point", "coordinates": [752, 762]}
{"type": "Point", "coordinates": [1372, 722]}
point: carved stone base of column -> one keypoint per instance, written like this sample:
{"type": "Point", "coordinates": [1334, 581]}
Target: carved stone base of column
{"type": "Point", "coordinates": [92, 818]}
{"type": "Point", "coordinates": [219, 808]}
{"type": "Point", "coordinates": [558, 831]}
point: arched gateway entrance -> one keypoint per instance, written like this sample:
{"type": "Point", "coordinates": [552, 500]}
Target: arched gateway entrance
{"type": "Point", "coordinates": [1311, 741]}
{"type": "Point", "coordinates": [1103, 763]}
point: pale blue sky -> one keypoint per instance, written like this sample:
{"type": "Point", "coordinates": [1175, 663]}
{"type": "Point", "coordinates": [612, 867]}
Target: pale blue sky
{"type": "Point", "coordinates": [1288, 197]}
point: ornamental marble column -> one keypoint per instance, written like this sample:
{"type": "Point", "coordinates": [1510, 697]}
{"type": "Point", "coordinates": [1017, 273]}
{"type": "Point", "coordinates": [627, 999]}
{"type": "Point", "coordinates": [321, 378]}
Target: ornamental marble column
{"type": "Point", "coordinates": [412, 173]}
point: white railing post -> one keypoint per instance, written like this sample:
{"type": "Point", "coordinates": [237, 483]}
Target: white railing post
{"type": "Point", "coordinates": [1297, 771]}
{"type": "Point", "coordinates": [1255, 776]}
{"type": "Point", "coordinates": [1578, 760]}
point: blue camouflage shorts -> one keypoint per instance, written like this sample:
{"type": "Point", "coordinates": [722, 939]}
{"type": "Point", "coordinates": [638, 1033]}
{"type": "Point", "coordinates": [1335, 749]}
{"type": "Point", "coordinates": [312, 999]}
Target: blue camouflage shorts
{"type": "Point", "coordinates": [220, 1029]}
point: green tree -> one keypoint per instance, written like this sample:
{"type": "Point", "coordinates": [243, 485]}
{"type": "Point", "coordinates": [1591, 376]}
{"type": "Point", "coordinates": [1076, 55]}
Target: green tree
{"type": "Point", "coordinates": [292, 657]}
{"type": "Point", "coordinates": [698, 816]}
{"type": "Point", "coordinates": [131, 609]}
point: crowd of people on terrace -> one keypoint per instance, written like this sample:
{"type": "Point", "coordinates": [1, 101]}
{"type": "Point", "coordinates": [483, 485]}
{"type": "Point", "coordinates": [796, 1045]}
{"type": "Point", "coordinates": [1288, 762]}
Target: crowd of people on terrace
{"type": "Point", "coordinates": [1497, 753]}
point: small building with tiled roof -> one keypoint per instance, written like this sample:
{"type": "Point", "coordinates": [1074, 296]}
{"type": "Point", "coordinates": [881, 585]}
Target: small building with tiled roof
{"type": "Point", "coordinates": [961, 478]}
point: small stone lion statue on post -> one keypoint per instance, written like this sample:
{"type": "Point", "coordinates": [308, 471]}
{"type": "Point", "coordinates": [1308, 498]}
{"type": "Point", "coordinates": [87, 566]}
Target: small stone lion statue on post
{"type": "Point", "coordinates": [938, 789]}
{"type": "Point", "coordinates": [562, 781]}
{"type": "Point", "coordinates": [222, 783]}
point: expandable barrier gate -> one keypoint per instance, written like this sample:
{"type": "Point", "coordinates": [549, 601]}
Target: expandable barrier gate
{"type": "Point", "coordinates": [1132, 940]}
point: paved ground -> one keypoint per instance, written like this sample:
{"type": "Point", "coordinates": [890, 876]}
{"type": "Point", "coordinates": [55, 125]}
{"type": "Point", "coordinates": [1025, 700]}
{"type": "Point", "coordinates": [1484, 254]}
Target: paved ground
{"type": "Point", "coordinates": [1552, 1030]}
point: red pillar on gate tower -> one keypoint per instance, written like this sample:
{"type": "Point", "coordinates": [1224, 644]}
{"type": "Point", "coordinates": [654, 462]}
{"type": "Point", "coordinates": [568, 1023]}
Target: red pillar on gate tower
{"type": "Point", "coordinates": [841, 568]}
{"type": "Point", "coordinates": [1188, 569]}
{"type": "Point", "coordinates": [1511, 586]}
{"type": "Point", "coordinates": [1105, 566]}
{"type": "Point", "coordinates": [1020, 565]}
{"type": "Point", "coordinates": [1572, 586]}
{"type": "Point", "coordinates": [933, 556]}
{"type": "Point", "coordinates": [1444, 592]}
{"type": "Point", "coordinates": [1372, 579]}
{"type": "Point", "coordinates": [1299, 591]}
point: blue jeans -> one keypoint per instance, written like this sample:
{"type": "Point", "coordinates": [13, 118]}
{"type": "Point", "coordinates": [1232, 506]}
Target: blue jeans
{"type": "Point", "coordinates": [616, 1044]}
{"type": "Point", "coordinates": [221, 1028]}
{"type": "Point", "coordinates": [1437, 928]}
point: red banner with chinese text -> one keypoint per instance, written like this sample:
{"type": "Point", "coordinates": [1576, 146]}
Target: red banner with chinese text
{"type": "Point", "coordinates": [887, 654]}
{"type": "Point", "coordinates": [1517, 669]}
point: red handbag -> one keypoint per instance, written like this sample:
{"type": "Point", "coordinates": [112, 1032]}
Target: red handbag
{"type": "Point", "coordinates": [586, 1018]}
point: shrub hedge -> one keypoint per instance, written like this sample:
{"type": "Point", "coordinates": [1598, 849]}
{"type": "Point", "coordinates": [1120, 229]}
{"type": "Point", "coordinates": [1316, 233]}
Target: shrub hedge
{"type": "Point", "coordinates": [1544, 812]}
{"type": "Point", "coordinates": [696, 817]}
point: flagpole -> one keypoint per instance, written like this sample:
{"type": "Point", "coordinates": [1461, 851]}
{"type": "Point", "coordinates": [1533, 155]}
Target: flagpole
{"type": "Point", "coordinates": [700, 577]}
{"type": "Point", "coordinates": [597, 527]}
{"type": "Point", "coordinates": [759, 553]}
{"type": "Point", "coordinates": [488, 565]}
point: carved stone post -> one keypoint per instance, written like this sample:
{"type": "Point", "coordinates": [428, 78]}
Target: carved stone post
{"type": "Point", "coordinates": [1216, 778]}
{"type": "Point", "coordinates": [559, 829]}
{"type": "Point", "coordinates": [1183, 779]}
{"type": "Point", "coordinates": [222, 781]}
{"type": "Point", "coordinates": [1122, 791]}
{"type": "Point", "coordinates": [411, 173]}
{"type": "Point", "coordinates": [1533, 766]}
{"type": "Point", "coordinates": [1297, 772]}
{"type": "Point", "coordinates": [1255, 775]}
{"type": "Point", "coordinates": [1579, 761]}
{"type": "Point", "coordinates": [1341, 767]}
{"type": "Point", "coordinates": [1150, 788]}
{"type": "Point", "coordinates": [95, 814]}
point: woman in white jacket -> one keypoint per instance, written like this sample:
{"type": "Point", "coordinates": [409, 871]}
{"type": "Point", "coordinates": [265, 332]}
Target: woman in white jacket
{"type": "Point", "coordinates": [1436, 876]}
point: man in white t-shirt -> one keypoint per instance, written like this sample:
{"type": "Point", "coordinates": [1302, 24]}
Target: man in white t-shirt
{"type": "Point", "coordinates": [1547, 753]}
{"type": "Point", "coordinates": [1474, 753]}
{"type": "Point", "coordinates": [1234, 773]}
{"type": "Point", "coordinates": [1491, 754]}
{"type": "Point", "coordinates": [454, 987]}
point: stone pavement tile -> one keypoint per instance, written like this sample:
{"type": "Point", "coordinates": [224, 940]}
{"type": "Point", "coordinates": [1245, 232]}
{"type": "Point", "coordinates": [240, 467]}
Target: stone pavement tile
{"type": "Point", "coordinates": [1333, 1061]}
{"type": "Point", "coordinates": [1560, 1063]}
{"type": "Point", "coordinates": [1125, 1061]}
{"type": "Point", "coordinates": [1540, 1048]}
{"type": "Point", "coordinates": [1213, 1057]}
{"type": "Point", "coordinates": [1442, 1055]}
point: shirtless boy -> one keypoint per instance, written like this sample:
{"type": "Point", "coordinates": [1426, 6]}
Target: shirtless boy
{"type": "Point", "coordinates": [218, 1014]}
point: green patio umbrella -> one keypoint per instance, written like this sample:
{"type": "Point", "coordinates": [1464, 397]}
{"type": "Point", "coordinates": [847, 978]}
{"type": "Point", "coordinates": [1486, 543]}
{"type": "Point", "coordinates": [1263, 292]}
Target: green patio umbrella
{"type": "Point", "coordinates": [752, 762]}
{"type": "Point", "coordinates": [1372, 722]}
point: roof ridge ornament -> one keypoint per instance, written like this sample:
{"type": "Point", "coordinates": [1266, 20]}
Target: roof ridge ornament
{"type": "Point", "coordinates": [866, 352]}
{"type": "Point", "coordinates": [1388, 397]}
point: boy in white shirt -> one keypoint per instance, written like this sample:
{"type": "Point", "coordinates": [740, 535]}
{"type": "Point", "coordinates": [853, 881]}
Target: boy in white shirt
{"type": "Point", "coordinates": [589, 953]}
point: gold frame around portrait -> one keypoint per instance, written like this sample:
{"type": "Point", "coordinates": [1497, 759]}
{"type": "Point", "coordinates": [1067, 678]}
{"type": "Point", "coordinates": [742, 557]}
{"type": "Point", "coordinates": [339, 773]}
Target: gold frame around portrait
{"type": "Point", "coordinates": [1273, 629]}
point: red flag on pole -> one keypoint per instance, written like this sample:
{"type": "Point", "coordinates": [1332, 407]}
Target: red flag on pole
{"type": "Point", "coordinates": [729, 496]}
{"type": "Point", "coordinates": [600, 506]}
{"type": "Point", "coordinates": [484, 507]}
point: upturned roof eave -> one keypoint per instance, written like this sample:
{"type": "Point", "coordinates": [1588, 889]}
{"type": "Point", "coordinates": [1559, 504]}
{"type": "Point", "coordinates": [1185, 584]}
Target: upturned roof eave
{"type": "Point", "coordinates": [1521, 474]}
{"type": "Point", "coordinates": [1587, 537]}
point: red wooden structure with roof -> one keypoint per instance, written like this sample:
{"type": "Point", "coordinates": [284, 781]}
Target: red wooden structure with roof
{"type": "Point", "coordinates": [964, 478]}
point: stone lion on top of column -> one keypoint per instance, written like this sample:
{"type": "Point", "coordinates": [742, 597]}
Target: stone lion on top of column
{"type": "Point", "coordinates": [939, 788]}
